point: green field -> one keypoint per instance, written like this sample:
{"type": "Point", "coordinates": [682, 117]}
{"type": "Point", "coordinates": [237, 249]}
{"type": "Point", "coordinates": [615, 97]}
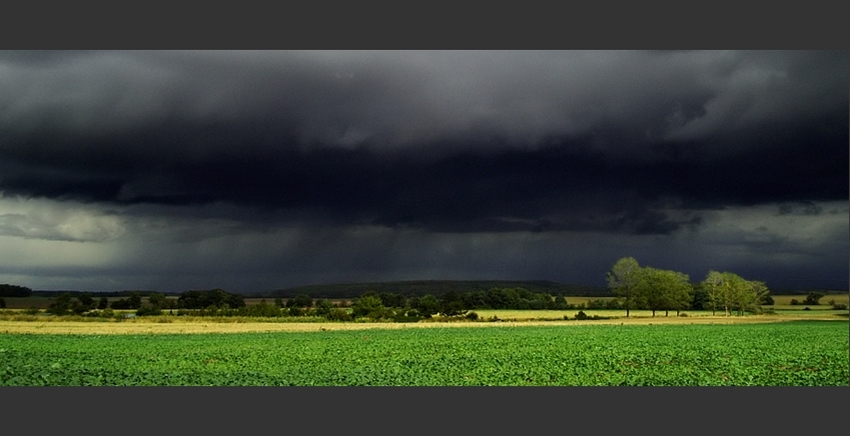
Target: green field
{"type": "Point", "coordinates": [801, 353]}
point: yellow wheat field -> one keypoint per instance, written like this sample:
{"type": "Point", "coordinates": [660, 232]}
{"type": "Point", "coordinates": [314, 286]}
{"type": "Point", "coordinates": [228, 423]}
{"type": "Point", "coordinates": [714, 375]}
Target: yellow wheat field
{"type": "Point", "coordinates": [194, 326]}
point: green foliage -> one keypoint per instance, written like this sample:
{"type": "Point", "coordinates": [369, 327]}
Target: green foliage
{"type": "Point", "coordinates": [427, 306]}
{"type": "Point", "coordinates": [261, 309]}
{"type": "Point", "coordinates": [300, 300]}
{"type": "Point", "coordinates": [663, 289]}
{"type": "Point", "coordinates": [370, 306]}
{"type": "Point", "coordinates": [149, 311]}
{"type": "Point", "coordinates": [624, 279]}
{"type": "Point", "coordinates": [2, 303]}
{"type": "Point", "coordinates": [560, 303]}
{"type": "Point", "coordinates": [86, 300]}
{"type": "Point", "coordinates": [60, 306]}
{"type": "Point", "coordinates": [195, 299]}
{"type": "Point", "coordinates": [323, 307]}
{"type": "Point", "coordinates": [813, 299]}
{"type": "Point", "coordinates": [808, 353]}
{"type": "Point", "coordinates": [103, 303]}
{"type": "Point", "coordinates": [7, 290]}
{"type": "Point", "coordinates": [730, 292]}
{"type": "Point", "coordinates": [338, 314]}
{"type": "Point", "coordinates": [157, 300]}
{"type": "Point", "coordinates": [699, 299]}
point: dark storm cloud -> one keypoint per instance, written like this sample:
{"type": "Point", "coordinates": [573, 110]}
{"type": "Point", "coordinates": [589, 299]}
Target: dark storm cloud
{"type": "Point", "coordinates": [443, 141]}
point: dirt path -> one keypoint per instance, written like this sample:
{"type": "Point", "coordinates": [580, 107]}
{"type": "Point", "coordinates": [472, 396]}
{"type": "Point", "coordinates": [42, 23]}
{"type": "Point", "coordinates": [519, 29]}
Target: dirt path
{"type": "Point", "coordinates": [142, 327]}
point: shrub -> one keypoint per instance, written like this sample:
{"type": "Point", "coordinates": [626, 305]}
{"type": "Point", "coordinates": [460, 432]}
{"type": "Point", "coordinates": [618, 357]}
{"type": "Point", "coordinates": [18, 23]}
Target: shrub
{"type": "Point", "coordinates": [839, 306]}
{"type": "Point", "coordinates": [683, 314]}
{"type": "Point", "coordinates": [807, 308]}
{"type": "Point", "coordinates": [32, 311]}
{"type": "Point", "coordinates": [472, 316]}
{"type": "Point", "coordinates": [794, 302]}
{"type": "Point", "coordinates": [581, 315]}
{"type": "Point", "coordinates": [2, 303]}
{"type": "Point", "coordinates": [813, 298]}
{"type": "Point", "coordinates": [339, 315]}
{"type": "Point", "coordinates": [148, 311]}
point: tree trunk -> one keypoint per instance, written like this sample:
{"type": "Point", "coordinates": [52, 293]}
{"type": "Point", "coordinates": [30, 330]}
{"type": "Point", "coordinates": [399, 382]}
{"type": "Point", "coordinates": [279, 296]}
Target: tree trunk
{"type": "Point", "coordinates": [653, 312]}
{"type": "Point", "coordinates": [666, 313]}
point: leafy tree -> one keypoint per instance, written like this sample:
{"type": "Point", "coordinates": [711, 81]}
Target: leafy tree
{"type": "Point", "coordinates": [452, 308]}
{"type": "Point", "coordinates": [451, 304]}
{"type": "Point", "coordinates": [262, 309]}
{"type": "Point", "coordinates": [813, 299]}
{"type": "Point", "coordinates": [61, 305]}
{"type": "Point", "coordinates": [369, 306]}
{"type": "Point", "coordinates": [659, 289]}
{"type": "Point", "coordinates": [2, 303]}
{"type": "Point", "coordinates": [134, 301]}
{"type": "Point", "coordinates": [391, 299]}
{"type": "Point", "coordinates": [300, 300]}
{"type": "Point", "coordinates": [7, 290]}
{"type": "Point", "coordinates": [149, 311]}
{"type": "Point", "coordinates": [651, 288]}
{"type": "Point", "coordinates": [623, 280]}
{"type": "Point", "coordinates": [731, 292]}
{"type": "Point", "coordinates": [560, 303]}
{"type": "Point", "coordinates": [428, 306]}
{"type": "Point", "coordinates": [157, 300]}
{"type": "Point", "coordinates": [323, 307]}
{"type": "Point", "coordinates": [338, 314]}
{"type": "Point", "coordinates": [121, 304]}
{"type": "Point", "coordinates": [474, 300]}
{"type": "Point", "coordinates": [86, 300]}
{"type": "Point", "coordinates": [678, 291]}
{"type": "Point", "coordinates": [103, 303]}
{"type": "Point", "coordinates": [235, 301]}
{"type": "Point", "coordinates": [699, 298]}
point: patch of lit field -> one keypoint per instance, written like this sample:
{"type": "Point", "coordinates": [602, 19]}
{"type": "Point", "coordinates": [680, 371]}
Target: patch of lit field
{"type": "Point", "coordinates": [174, 324]}
{"type": "Point", "coordinates": [809, 353]}
{"type": "Point", "coordinates": [784, 301]}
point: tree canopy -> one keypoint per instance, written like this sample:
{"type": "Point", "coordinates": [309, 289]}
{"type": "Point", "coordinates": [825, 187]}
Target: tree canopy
{"type": "Point", "coordinates": [657, 289]}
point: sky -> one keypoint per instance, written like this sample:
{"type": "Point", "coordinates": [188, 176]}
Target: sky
{"type": "Point", "coordinates": [261, 170]}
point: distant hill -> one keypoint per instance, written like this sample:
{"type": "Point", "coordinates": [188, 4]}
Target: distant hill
{"type": "Point", "coordinates": [435, 287]}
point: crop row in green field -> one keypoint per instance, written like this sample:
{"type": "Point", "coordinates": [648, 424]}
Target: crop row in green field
{"type": "Point", "coordinates": [806, 353]}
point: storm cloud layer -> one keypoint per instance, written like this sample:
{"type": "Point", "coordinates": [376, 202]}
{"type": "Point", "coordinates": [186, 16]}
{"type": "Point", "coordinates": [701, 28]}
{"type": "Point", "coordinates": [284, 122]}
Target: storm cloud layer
{"type": "Point", "coordinates": [256, 170]}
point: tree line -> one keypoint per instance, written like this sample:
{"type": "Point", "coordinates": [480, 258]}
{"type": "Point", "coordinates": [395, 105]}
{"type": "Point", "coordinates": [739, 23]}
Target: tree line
{"type": "Point", "coordinates": [655, 289]}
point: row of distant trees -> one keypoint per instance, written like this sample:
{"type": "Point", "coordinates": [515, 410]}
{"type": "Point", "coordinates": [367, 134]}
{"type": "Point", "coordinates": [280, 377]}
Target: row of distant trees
{"type": "Point", "coordinates": [657, 289]}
